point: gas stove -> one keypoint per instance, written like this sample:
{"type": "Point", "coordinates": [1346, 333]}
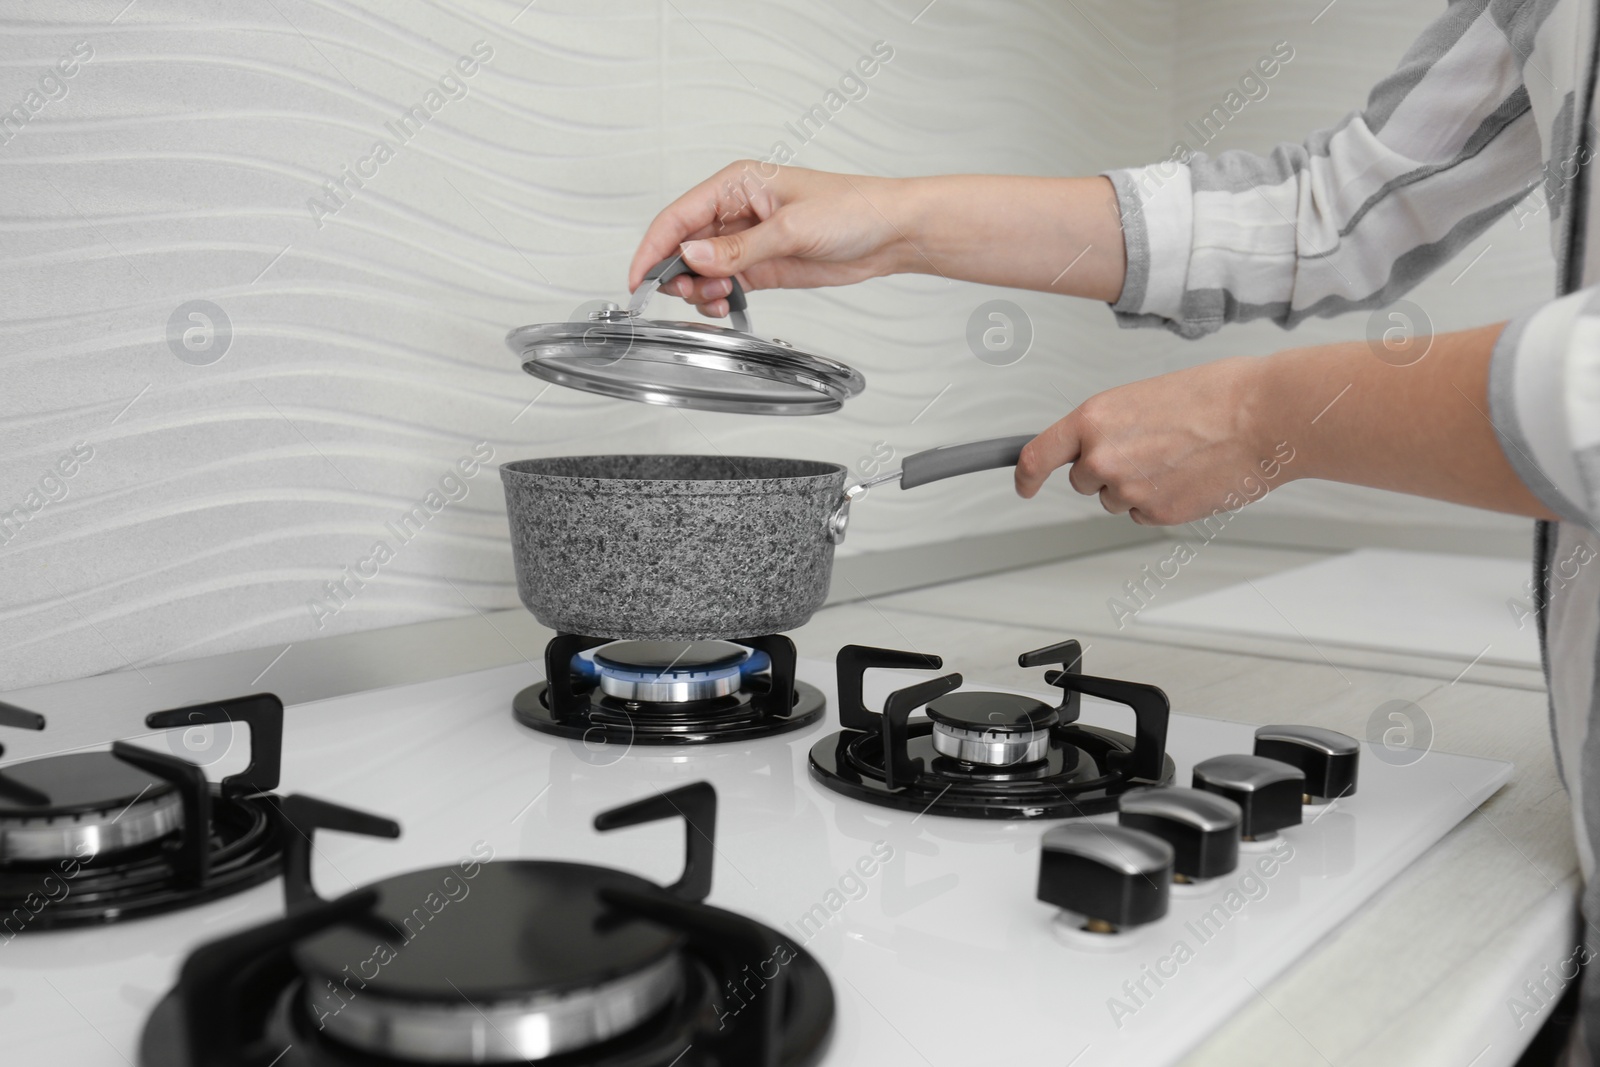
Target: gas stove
{"type": "Point", "coordinates": [1090, 954]}
{"type": "Point", "coordinates": [105, 836]}
{"type": "Point", "coordinates": [628, 693]}
{"type": "Point", "coordinates": [990, 755]}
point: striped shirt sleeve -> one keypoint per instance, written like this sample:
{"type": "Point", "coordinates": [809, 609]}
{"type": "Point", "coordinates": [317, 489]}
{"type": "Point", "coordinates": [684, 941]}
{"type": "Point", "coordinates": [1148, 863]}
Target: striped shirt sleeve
{"type": "Point", "coordinates": [1544, 401]}
{"type": "Point", "coordinates": [1353, 217]}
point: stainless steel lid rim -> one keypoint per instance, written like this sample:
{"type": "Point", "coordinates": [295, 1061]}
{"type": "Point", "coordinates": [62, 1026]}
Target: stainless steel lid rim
{"type": "Point", "coordinates": [588, 370]}
{"type": "Point", "coordinates": [692, 399]}
{"type": "Point", "coordinates": [779, 365]}
{"type": "Point", "coordinates": [660, 340]}
{"type": "Point", "coordinates": [619, 353]}
{"type": "Point", "coordinates": [797, 389]}
{"type": "Point", "coordinates": [698, 338]}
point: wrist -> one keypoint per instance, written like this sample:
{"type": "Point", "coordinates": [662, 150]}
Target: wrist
{"type": "Point", "coordinates": [1272, 403]}
{"type": "Point", "coordinates": [907, 205]}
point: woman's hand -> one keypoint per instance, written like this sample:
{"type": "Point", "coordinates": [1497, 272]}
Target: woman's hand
{"type": "Point", "coordinates": [775, 227]}
{"type": "Point", "coordinates": [786, 227]}
{"type": "Point", "coordinates": [1167, 450]}
{"type": "Point", "coordinates": [1180, 447]}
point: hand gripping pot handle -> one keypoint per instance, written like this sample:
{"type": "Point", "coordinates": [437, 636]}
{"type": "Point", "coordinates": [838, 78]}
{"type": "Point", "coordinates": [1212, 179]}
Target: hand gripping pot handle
{"type": "Point", "coordinates": [935, 464]}
{"type": "Point", "coordinates": [668, 269]}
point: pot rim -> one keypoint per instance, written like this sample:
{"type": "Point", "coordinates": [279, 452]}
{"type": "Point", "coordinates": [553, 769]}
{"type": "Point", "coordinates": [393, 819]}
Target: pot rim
{"type": "Point", "coordinates": [824, 475]}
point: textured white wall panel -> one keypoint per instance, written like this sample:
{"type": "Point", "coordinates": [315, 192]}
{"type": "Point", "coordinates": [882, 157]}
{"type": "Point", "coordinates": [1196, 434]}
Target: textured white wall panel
{"type": "Point", "coordinates": [366, 355]}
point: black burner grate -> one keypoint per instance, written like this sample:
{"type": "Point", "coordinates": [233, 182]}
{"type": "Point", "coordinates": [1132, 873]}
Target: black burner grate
{"type": "Point", "coordinates": [238, 843]}
{"type": "Point", "coordinates": [888, 760]}
{"type": "Point", "coordinates": [241, 1001]}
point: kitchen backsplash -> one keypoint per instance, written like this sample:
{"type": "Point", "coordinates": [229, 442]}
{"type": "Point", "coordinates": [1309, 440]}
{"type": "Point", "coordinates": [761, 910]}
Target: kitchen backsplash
{"type": "Point", "coordinates": [259, 261]}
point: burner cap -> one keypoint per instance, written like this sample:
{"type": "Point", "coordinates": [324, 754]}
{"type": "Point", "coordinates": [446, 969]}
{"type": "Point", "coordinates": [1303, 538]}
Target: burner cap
{"type": "Point", "coordinates": [999, 713]}
{"type": "Point", "coordinates": [670, 672]}
{"type": "Point", "coordinates": [994, 729]}
{"type": "Point", "coordinates": [82, 804]}
{"type": "Point", "coordinates": [518, 962]}
{"type": "Point", "coordinates": [671, 657]}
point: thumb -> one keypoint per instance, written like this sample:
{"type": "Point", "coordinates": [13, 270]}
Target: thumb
{"type": "Point", "coordinates": [1059, 445]}
{"type": "Point", "coordinates": [721, 257]}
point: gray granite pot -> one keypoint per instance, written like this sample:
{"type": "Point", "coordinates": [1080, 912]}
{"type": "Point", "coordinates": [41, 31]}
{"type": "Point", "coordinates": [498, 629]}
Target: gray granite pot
{"type": "Point", "coordinates": [691, 548]}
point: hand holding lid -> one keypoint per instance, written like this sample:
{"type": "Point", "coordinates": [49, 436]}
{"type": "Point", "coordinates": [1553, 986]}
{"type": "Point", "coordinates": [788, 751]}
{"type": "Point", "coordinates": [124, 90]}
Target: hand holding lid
{"type": "Point", "coordinates": [668, 269]}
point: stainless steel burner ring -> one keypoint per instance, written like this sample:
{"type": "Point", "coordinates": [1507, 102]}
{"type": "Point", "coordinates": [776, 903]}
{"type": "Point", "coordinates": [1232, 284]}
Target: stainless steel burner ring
{"type": "Point", "coordinates": [991, 748]}
{"type": "Point", "coordinates": [83, 836]}
{"type": "Point", "coordinates": [508, 1031]}
{"type": "Point", "coordinates": [665, 689]}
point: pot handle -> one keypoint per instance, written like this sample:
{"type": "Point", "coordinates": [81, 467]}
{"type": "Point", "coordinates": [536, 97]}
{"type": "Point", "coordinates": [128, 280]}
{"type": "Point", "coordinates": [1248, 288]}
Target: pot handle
{"type": "Point", "coordinates": [932, 465]}
{"type": "Point", "coordinates": [947, 461]}
{"type": "Point", "coordinates": [672, 267]}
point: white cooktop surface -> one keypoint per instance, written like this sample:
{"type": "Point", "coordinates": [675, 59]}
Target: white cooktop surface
{"type": "Point", "coordinates": [941, 957]}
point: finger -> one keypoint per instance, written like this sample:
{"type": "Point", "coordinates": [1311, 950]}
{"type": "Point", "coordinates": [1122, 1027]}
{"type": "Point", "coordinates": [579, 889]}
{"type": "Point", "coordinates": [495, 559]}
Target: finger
{"type": "Point", "coordinates": [706, 290]}
{"type": "Point", "coordinates": [698, 291]}
{"type": "Point", "coordinates": [1114, 502]}
{"type": "Point", "coordinates": [694, 214]}
{"type": "Point", "coordinates": [1056, 447]}
{"type": "Point", "coordinates": [731, 253]}
{"type": "Point", "coordinates": [676, 223]}
{"type": "Point", "coordinates": [1083, 479]}
{"type": "Point", "coordinates": [682, 286]}
{"type": "Point", "coordinates": [688, 286]}
{"type": "Point", "coordinates": [694, 291]}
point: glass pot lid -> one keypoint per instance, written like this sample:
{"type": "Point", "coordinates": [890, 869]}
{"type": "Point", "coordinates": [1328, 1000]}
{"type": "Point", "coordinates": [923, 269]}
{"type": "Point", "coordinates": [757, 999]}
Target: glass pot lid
{"type": "Point", "coordinates": [618, 352]}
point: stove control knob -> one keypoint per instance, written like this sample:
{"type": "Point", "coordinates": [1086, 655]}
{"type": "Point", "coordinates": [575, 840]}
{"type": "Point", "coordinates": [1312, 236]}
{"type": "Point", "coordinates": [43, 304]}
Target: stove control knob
{"type": "Point", "coordinates": [1267, 792]}
{"type": "Point", "coordinates": [1111, 875]}
{"type": "Point", "coordinates": [1201, 827]}
{"type": "Point", "coordinates": [1327, 758]}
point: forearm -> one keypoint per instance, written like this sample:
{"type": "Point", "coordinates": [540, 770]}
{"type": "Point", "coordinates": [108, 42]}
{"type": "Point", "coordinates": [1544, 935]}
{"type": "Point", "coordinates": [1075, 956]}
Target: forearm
{"type": "Point", "coordinates": [1058, 235]}
{"type": "Point", "coordinates": [1422, 429]}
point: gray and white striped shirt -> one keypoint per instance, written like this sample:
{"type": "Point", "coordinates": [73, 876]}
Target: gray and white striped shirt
{"type": "Point", "coordinates": [1494, 102]}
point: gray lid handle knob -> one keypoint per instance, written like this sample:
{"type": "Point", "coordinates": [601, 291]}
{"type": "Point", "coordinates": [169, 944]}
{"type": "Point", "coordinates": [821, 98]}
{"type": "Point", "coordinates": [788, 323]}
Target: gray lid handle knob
{"type": "Point", "coordinates": [672, 267]}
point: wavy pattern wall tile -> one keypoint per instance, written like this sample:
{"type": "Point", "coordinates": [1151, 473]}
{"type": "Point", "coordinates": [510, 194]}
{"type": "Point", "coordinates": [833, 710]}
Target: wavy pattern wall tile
{"type": "Point", "coordinates": [187, 161]}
